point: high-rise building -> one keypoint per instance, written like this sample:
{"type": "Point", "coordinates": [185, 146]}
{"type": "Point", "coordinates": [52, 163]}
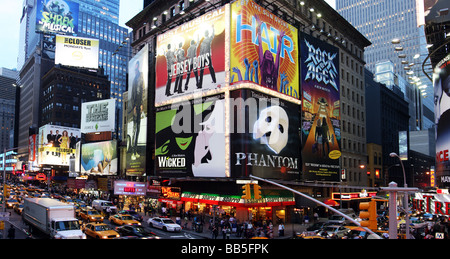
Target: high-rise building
{"type": "Point", "coordinates": [396, 31]}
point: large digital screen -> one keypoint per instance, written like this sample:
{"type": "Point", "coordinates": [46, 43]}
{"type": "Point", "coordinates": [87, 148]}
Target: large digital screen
{"type": "Point", "coordinates": [130, 188]}
{"type": "Point", "coordinates": [264, 49]}
{"type": "Point", "coordinates": [99, 158]}
{"type": "Point", "coordinates": [77, 51]}
{"type": "Point", "coordinates": [98, 116]}
{"type": "Point", "coordinates": [57, 17]}
{"type": "Point", "coordinates": [321, 131]}
{"type": "Point", "coordinates": [137, 113]}
{"type": "Point", "coordinates": [57, 144]}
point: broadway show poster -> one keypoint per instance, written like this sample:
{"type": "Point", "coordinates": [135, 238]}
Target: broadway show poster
{"type": "Point", "coordinates": [99, 158]}
{"type": "Point", "coordinates": [321, 132]}
{"type": "Point", "coordinates": [137, 113]}
{"type": "Point", "coordinates": [441, 81]}
{"type": "Point", "coordinates": [264, 49]}
{"type": "Point", "coordinates": [190, 138]}
{"type": "Point", "coordinates": [191, 57]}
{"type": "Point", "coordinates": [264, 136]}
{"type": "Point", "coordinates": [57, 17]}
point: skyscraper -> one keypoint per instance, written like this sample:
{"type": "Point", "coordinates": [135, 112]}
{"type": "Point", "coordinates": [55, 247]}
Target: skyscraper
{"type": "Point", "coordinates": [382, 21]}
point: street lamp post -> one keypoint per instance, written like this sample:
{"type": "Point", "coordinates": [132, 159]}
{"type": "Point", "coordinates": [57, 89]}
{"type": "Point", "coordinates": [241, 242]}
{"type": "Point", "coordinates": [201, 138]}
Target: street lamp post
{"type": "Point", "coordinates": [405, 197]}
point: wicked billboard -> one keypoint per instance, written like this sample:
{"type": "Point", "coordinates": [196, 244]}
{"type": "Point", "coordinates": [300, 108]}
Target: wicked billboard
{"type": "Point", "coordinates": [264, 136]}
{"type": "Point", "coordinates": [190, 138]}
{"type": "Point", "coordinates": [57, 17]}
{"type": "Point", "coordinates": [321, 132]}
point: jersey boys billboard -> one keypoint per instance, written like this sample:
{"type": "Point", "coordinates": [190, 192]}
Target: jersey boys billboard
{"type": "Point", "coordinates": [191, 57]}
{"type": "Point", "coordinates": [264, 49]}
{"type": "Point", "coordinates": [321, 132]}
{"type": "Point", "coordinates": [57, 17]}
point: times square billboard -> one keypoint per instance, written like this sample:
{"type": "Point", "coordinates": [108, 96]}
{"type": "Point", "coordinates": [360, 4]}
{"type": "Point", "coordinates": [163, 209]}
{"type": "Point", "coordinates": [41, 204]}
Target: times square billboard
{"type": "Point", "coordinates": [57, 17]}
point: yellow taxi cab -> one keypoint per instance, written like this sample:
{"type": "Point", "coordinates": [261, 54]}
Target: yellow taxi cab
{"type": "Point", "coordinates": [99, 231]}
{"type": "Point", "coordinates": [90, 215]}
{"type": "Point", "coordinates": [123, 219]}
{"type": "Point", "coordinates": [11, 202]}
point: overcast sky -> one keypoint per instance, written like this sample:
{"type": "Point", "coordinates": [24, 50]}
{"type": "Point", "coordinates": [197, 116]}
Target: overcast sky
{"type": "Point", "coordinates": [11, 10]}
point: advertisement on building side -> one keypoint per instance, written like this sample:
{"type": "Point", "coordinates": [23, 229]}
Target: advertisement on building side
{"type": "Point", "coordinates": [130, 188]}
{"type": "Point", "coordinates": [190, 138]}
{"type": "Point", "coordinates": [77, 51]}
{"type": "Point", "coordinates": [57, 144]}
{"type": "Point", "coordinates": [99, 158]}
{"type": "Point", "coordinates": [57, 16]}
{"type": "Point", "coordinates": [191, 57]}
{"type": "Point", "coordinates": [98, 116]}
{"type": "Point", "coordinates": [264, 136]}
{"type": "Point", "coordinates": [441, 81]}
{"type": "Point", "coordinates": [321, 132]}
{"type": "Point", "coordinates": [137, 113]}
{"type": "Point", "coordinates": [264, 49]}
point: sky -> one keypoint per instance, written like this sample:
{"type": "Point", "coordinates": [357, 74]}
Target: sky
{"type": "Point", "coordinates": [11, 11]}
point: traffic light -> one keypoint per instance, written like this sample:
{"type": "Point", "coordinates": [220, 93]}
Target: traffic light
{"type": "Point", "coordinates": [6, 191]}
{"type": "Point", "coordinates": [257, 191]}
{"type": "Point", "coordinates": [368, 213]}
{"type": "Point", "coordinates": [247, 195]}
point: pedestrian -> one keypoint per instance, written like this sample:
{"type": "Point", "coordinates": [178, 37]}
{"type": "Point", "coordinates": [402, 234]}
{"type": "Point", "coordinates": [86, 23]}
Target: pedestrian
{"type": "Point", "coordinates": [215, 232]}
{"type": "Point", "coordinates": [11, 232]}
{"type": "Point", "coordinates": [281, 230]}
{"type": "Point", "coordinates": [316, 217]}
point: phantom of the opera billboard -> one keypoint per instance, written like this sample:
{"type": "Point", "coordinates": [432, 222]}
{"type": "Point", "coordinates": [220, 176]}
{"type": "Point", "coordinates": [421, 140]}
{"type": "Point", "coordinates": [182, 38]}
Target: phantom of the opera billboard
{"type": "Point", "coordinates": [321, 132]}
{"type": "Point", "coordinates": [264, 49]}
{"type": "Point", "coordinates": [264, 136]}
{"type": "Point", "coordinates": [191, 57]}
{"type": "Point", "coordinates": [441, 80]}
{"type": "Point", "coordinates": [57, 17]}
{"type": "Point", "coordinates": [190, 138]}
{"type": "Point", "coordinates": [57, 144]}
{"type": "Point", "coordinates": [99, 158]}
{"type": "Point", "coordinates": [137, 113]}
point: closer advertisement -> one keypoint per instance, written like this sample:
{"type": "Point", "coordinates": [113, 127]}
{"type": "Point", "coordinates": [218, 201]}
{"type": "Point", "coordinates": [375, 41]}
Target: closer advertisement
{"type": "Point", "coordinates": [77, 51]}
{"type": "Point", "coordinates": [441, 80]}
{"type": "Point", "coordinates": [57, 16]}
{"type": "Point", "coordinates": [264, 136]}
{"type": "Point", "coordinates": [99, 158]}
{"type": "Point", "coordinates": [98, 116]}
{"type": "Point", "coordinates": [137, 113]}
{"type": "Point", "coordinates": [191, 57]}
{"type": "Point", "coordinates": [321, 131]}
{"type": "Point", "coordinates": [264, 49]}
{"type": "Point", "coordinates": [190, 138]}
{"type": "Point", "coordinates": [57, 144]}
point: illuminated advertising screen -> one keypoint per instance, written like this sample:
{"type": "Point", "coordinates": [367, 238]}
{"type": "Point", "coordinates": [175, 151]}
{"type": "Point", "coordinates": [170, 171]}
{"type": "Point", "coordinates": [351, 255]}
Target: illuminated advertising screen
{"type": "Point", "coordinates": [77, 51]}
{"type": "Point", "coordinates": [190, 138]}
{"type": "Point", "coordinates": [130, 188]}
{"type": "Point", "coordinates": [57, 16]}
{"type": "Point", "coordinates": [99, 158]}
{"type": "Point", "coordinates": [57, 144]}
{"type": "Point", "coordinates": [137, 113]}
{"type": "Point", "coordinates": [98, 116]}
{"type": "Point", "coordinates": [441, 81]}
{"type": "Point", "coordinates": [264, 136]}
{"type": "Point", "coordinates": [264, 49]}
{"type": "Point", "coordinates": [321, 132]}
{"type": "Point", "coordinates": [191, 57]}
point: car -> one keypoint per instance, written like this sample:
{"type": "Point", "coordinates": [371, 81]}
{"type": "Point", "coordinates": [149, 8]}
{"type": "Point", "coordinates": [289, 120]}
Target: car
{"type": "Point", "coordinates": [91, 215]}
{"type": "Point", "coordinates": [165, 224]}
{"type": "Point", "coordinates": [333, 231]}
{"type": "Point", "coordinates": [11, 202]}
{"type": "Point", "coordinates": [137, 231]}
{"type": "Point", "coordinates": [123, 219]}
{"type": "Point", "coordinates": [133, 213]}
{"type": "Point", "coordinates": [18, 208]}
{"type": "Point", "coordinates": [99, 231]}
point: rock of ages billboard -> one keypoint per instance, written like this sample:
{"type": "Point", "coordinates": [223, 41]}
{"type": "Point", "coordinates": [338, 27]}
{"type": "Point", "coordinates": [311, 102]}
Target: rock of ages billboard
{"type": "Point", "coordinates": [441, 81]}
{"type": "Point", "coordinates": [321, 132]}
{"type": "Point", "coordinates": [190, 138]}
{"type": "Point", "coordinates": [264, 136]}
{"type": "Point", "coordinates": [57, 17]}
{"type": "Point", "coordinates": [191, 57]}
{"type": "Point", "coordinates": [264, 49]}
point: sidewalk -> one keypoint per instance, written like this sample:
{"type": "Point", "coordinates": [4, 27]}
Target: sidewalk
{"type": "Point", "coordinates": [289, 229]}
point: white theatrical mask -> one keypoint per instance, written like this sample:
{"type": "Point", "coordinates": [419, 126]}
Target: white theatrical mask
{"type": "Point", "coordinates": [272, 128]}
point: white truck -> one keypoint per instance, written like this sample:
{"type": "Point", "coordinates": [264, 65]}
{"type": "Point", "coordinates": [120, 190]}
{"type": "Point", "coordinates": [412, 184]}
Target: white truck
{"type": "Point", "coordinates": [101, 205]}
{"type": "Point", "coordinates": [52, 217]}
